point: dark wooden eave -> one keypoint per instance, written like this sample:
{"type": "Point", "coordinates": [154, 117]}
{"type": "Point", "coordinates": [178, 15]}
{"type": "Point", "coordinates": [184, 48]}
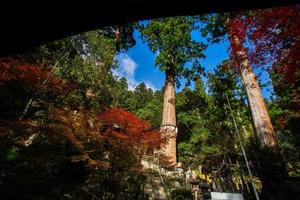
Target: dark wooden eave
{"type": "Point", "coordinates": [24, 26]}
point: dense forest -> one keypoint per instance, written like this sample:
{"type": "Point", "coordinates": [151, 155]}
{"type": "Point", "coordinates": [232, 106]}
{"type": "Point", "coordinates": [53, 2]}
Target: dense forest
{"type": "Point", "coordinates": [72, 129]}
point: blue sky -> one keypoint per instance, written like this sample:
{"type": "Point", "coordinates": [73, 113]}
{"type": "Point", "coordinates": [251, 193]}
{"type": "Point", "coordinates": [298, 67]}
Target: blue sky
{"type": "Point", "coordinates": [137, 65]}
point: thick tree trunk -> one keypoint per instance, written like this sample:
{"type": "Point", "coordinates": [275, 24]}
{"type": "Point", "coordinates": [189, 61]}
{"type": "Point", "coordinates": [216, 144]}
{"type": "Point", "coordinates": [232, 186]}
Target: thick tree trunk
{"type": "Point", "coordinates": [271, 168]}
{"type": "Point", "coordinates": [168, 126]}
{"type": "Point", "coordinates": [261, 120]}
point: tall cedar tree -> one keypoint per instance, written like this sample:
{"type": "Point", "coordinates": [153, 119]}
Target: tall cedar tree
{"type": "Point", "coordinates": [171, 39]}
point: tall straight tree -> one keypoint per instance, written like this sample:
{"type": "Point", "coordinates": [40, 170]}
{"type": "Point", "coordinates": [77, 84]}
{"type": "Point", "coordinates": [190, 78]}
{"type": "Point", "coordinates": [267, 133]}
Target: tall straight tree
{"type": "Point", "coordinates": [261, 119]}
{"type": "Point", "coordinates": [272, 170]}
{"type": "Point", "coordinates": [236, 26]}
{"type": "Point", "coordinates": [171, 39]}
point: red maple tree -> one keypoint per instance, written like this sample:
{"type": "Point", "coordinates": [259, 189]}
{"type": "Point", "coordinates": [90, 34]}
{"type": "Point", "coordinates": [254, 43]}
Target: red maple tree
{"type": "Point", "coordinates": [38, 75]}
{"type": "Point", "coordinates": [275, 34]}
{"type": "Point", "coordinates": [126, 131]}
{"type": "Point", "coordinates": [274, 38]}
{"type": "Point", "coordinates": [129, 132]}
{"type": "Point", "coordinates": [123, 131]}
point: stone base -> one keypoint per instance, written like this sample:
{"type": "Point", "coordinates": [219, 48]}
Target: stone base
{"type": "Point", "coordinates": [161, 191]}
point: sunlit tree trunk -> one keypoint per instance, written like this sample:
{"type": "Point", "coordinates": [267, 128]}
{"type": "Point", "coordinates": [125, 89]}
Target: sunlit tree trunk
{"type": "Point", "coordinates": [261, 120]}
{"type": "Point", "coordinates": [269, 164]}
{"type": "Point", "coordinates": [169, 119]}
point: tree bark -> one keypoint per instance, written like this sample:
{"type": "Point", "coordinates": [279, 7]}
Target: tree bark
{"type": "Point", "coordinates": [272, 169]}
{"type": "Point", "coordinates": [261, 119]}
{"type": "Point", "coordinates": [168, 127]}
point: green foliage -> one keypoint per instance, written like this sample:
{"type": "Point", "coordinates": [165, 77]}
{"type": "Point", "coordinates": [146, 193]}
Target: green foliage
{"type": "Point", "coordinates": [152, 111]}
{"type": "Point", "coordinates": [214, 26]}
{"type": "Point", "coordinates": [143, 95]}
{"type": "Point", "coordinates": [206, 134]}
{"type": "Point", "coordinates": [171, 38]}
{"type": "Point", "coordinates": [121, 95]}
{"type": "Point", "coordinates": [284, 109]}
